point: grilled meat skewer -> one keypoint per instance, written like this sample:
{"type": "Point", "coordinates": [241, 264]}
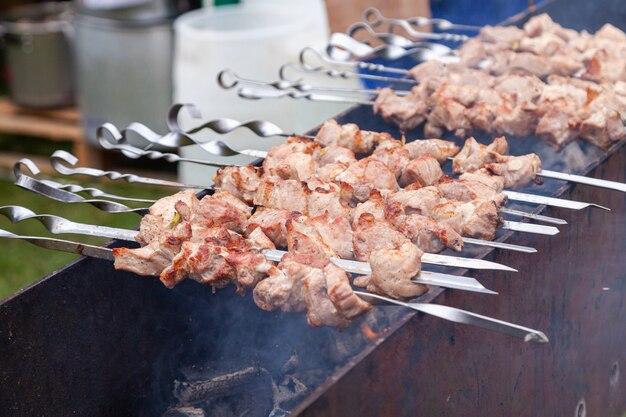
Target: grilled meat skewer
{"type": "Point", "coordinates": [60, 225]}
{"type": "Point", "coordinates": [444, 312]}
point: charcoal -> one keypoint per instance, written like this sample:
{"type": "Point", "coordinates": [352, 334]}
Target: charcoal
{"type": "Point", "coordinates": [193, 392]}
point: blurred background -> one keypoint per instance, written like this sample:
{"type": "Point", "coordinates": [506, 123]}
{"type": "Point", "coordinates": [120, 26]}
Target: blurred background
{"type": "Point", "coordinates": [68, 67]}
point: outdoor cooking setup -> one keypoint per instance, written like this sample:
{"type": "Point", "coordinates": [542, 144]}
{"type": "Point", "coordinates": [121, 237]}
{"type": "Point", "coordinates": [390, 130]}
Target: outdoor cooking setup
{"type": "Point", "coordinates": [96, 339]}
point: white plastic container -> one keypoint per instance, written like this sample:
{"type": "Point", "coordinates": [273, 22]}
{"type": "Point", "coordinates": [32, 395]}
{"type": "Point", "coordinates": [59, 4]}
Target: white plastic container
{"type": "Point", "coordinates": [253, 39]}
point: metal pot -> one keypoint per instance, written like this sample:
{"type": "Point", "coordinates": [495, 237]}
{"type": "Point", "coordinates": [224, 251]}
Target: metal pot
{"type": "Point", "coordinates": [124, 72]}
{"type": "Point", "coordinates": [39, 54]}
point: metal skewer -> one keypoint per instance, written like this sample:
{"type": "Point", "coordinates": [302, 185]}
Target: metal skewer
{"type": "Point", "coordinates": [58, 157]}
{"type": "Point", "coordinates": [17, 213]}
{"type": "Point", "coordinates": [46, 187]}
{"type": "Point", "coordinates": [260, 128]}
{"type": "Point", "coordinates": [263, 94]}
{"type": "Point", "coordinates": [60, 225]}
{"type": "Point", "coordinates": [132, 152]}
{"type": "Point", "coordinates": [611, 185]}
{"type": "Point", "coordinates": [444, 312]}
{"type": "Point", "coordinates": [228, 79]}
{"type": "Point", "coordinates": [465, 317]}
{"type": "Point", "coordinates": [374, 17]}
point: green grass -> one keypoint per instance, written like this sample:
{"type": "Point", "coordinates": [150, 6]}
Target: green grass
{"type": "Point", "coordinates": [22, 263]}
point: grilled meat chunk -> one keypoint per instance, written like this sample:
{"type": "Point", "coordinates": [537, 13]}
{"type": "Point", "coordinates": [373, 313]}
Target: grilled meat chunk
{"type": "Point", "coordinates": [500, 34]}
{"type": "Point", "coordinates": [303, 238]}
{"type": "Point", "coordinates": [371, 235]}
{"type": "Point", "coordinates": [294, 144]}
{"type": "Point", "coordinates": [425, 233]}
{"type": "Point", "coordinates": [424, 171]}
{"type": "Point", "coordinates": [375, 206]}
{"type": "Point", "coordinates": [279, 290]}
{"type": "Point", "coordinates": [164, 216]}
{"type": "Point", "coordinates": [478, 219]}
{"type": "Point", "coordinates": [152, 259]}
{"type": "Point", "coordinates": [517, 171]}
{"type": "Point", "coordinates": [392, 271]}
{"type": "Point", "coordinates": [484, 177]}
{"type": "Point", "coordinates": [406, 112]}
{"type": "Point", "coordinates": [273, 223]}
{"type": "Point", "coordinates": [348, 136]}
{"type": "Point", "coordinates": [320, 310]}
{"type": "Point", "coordinates": [366, 175]}
{"type": "Point", "coordinates": [467, 190]}
{"type": "Point", "coordinates": [334, 154]}
{"type": "Point", "coordinates": [241, 181]}
{"type": "Point", "coordinates": [219, 258]}
{"type": "Point", "coordinates": [296, 166]}
{"type": "Point", "coordinates": [420, 201]}
{"type": "Point", "coordinates": [440, 149]}
{"type": "Point", "coordinates": [393, 155]}
{"type": "Point", "coordinates": [335, 232]}
{"type": "Point", "coordinates": [290, 195]}
{"type": "Point", "coordinates": [474, 155]}
{"type": "Point", "coordinates": [328, 198]}
{"type": "Point", "coordinates": [222, 209]}
{"type": "Point", "coordinates": [341, 294]}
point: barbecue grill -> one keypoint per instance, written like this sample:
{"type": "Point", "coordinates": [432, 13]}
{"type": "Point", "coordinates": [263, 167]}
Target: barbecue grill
{"type": "Point", "coordinates": [89, 340]}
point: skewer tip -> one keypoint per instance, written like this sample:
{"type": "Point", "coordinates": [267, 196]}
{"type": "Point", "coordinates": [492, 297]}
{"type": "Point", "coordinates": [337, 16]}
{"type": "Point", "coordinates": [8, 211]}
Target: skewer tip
{"type": "Point", "coordinates": [600, 207]}
{"type": "Point", "coordinates": [537, 336]}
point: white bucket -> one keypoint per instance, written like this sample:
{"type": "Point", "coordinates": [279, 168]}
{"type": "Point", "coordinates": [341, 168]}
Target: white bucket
{"type": "Point", "coordinates": [253, 39]}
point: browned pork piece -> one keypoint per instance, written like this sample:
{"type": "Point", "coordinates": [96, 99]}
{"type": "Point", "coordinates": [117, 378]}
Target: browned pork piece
{"type": "Point", "coordinates": [475, 155]}
{"type": "Point", "coordinates": [420, 201]}
{"type": "Point", "coordinates": [484, 177]}
{"type": "Point", "coordinates": [312, 198]}
{"type": "Point", "coordinates": [468, 190]}
{"type": "Point", "coordinates": [541, 24]}
{"type": "Point", "coordinates": [440, 149]}
{"type": "Point", "coordinates": [336, 155]}
{"type": "Point", "coordinates": [294, 144]}
{"type": "Point", "coordinates": [517, 171]}
{"type": "Point", "coordinates": [335, 232]}
{"type": "Point", "coordinates": [241, 181]}
{"type": "Point", "coordinates": [273, 223]}
{"type": "Point", "coordinates": [349, 136]}
{"type": "Point", "coordinates": [282, 288]}
{"type": "Point", "coordinates": [331, 198]}
{"type": "Point", "coordinates": [303, 238]}
{"type": "Point", "coordinates": [282, 194]}
{"type": "Point", "coordinates": [163, 216]}
{"type": "Point", "coordinates": [500, 34]}
{"type": "Point", "coordinates": [175, 220]}
{"type": "Point", "coordinates": [406, 112]}
{"type": "Point", "coordinates": [478, 219]}
{"type": "Point", "coordinates": [393, 258]}
{"type": "Point", "coordinates": [297, 166]}
{"type": "Point", "coordinates": [221, 209]}
{"type": "Point", "coordinates": [366, 175]}
{"type": "Point", "coordinates": [558, 108]}
{"type": "Point", "coordinates": [219, 260]}
{"type": "Point", "coordinates": [394, 155]}
{"type": "Point", "coordinates": [427, 234]}
{"type": "Point", "coordinates": [152, 259]}
{"type": "Point", "coordinates": [499, 171]}
{"type": "Point", "coordinates": [424, 171]}
{"type": "Point", "coordinates": [304, 282]}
